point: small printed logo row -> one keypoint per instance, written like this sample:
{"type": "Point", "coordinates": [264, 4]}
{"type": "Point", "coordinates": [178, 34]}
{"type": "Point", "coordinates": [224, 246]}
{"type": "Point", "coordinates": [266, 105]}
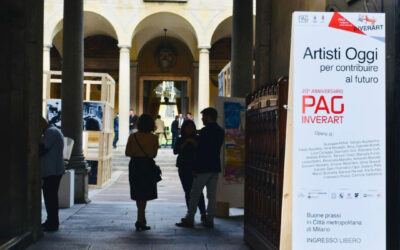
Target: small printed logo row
{"type": "Point", "coordinates": [340, 195]}
{"type": "Point", "coordinates": [321, 19]}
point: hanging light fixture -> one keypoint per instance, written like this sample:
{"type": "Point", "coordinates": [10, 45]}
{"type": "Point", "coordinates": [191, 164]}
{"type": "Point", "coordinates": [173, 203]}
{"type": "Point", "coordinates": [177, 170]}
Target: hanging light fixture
{"type": "Point", "coordinates": [165, 55]}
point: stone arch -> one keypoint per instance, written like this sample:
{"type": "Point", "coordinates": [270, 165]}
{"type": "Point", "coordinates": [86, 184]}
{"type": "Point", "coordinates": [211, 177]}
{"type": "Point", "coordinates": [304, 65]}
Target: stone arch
{"type": "Point", "coordinates": [177, 25]}
{"type": "Point", "coordinates": [223, 30]}
{"type": "Point", "coordinates": [95, 23]}
{"type": "Point", "coordinates": [223, 23]}
{"type": "Point", "coordinates": [216, 23]}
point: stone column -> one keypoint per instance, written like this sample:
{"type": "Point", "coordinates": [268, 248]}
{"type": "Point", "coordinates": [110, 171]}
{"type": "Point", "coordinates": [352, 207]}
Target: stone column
{"type": "Point", "coordinates": [133, 86]}
{"type": "Point", "coordinates": [124, 94]}
{"type": "Point", "coordinates": [46, 67]}
{"type": "Point", "coordinates": [72, 93]}
{"type": "Point", "coordinates": [195, 88]}
{"type": "Point", "coordinates": [242, 48]}
{"type": "Point", "coordinates": [263, 42]}
{"type": "Point", "coordinates": [204, 83]}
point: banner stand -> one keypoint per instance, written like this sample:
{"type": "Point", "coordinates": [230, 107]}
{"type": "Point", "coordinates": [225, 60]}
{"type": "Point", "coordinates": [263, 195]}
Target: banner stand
{"type": "Point", "coordinates": [334, 190]}
{"type": "Point", "coordinates": [286, 222]}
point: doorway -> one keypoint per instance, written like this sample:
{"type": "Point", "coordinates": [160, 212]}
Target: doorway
{"type": "Point", "coordinates": [165, 96]}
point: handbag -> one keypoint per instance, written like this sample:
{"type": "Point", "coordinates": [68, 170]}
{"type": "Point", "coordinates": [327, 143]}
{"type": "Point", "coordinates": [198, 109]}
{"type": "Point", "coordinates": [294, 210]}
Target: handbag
{"type": "Point", "coordinates": [156, 168]}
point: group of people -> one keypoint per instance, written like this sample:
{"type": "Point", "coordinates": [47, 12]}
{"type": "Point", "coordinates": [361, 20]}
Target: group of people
{"type": "Point", "coordinates": [176, 126]}
{"type": "Point", "coordinates": [198, 165]}
{"type": "Point", "coordinates": [159, 130]}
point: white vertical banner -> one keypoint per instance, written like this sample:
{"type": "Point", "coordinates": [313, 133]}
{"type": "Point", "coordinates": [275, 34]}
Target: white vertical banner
{"type": "Point", "coordinates": [339, 193]}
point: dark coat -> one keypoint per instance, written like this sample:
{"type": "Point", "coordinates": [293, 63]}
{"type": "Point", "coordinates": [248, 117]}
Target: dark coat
{"type": "Point", "coordinates": [175, 127]}
{"type": "Point", "coordinates": [209, 148]}
{"type": "Point", "coordinates": [133, 119]}
{"type": "Point", "coordinates": [186, 155]}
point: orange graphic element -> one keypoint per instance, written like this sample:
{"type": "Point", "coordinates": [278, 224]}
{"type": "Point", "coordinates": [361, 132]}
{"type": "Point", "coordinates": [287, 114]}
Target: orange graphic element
{"type": "Point", "coordinates": [370, 20]}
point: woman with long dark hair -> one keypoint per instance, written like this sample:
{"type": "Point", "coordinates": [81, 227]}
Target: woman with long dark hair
{"type": "Point", "coordinates": [185, 148]}
{"type": "Point", "coordinates": [142, 147]}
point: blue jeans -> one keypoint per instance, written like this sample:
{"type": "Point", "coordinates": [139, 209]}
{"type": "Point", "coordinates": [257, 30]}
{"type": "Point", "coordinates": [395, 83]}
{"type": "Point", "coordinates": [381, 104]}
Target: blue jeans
{"type": "Point", "coordinates": [115, 139]}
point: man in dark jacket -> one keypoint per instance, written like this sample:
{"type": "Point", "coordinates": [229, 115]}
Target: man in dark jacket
{"type": "Point", "coordinates": [116, 130]}
{"type": "Point", "coordinates": [132, 121]}
{"type": "Point", "coordinates": [174, 131]}
{"type": "Point", "coordinates": [207, 169]}
{"type": "Point", "coordinates": [51, 153]}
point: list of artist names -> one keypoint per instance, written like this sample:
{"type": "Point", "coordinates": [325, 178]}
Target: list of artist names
{"type": "Point", "coordinates": [343, 159]}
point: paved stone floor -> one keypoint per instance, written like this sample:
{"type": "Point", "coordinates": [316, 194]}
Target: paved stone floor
{"type": "Point", "coordinates": [108, 221]}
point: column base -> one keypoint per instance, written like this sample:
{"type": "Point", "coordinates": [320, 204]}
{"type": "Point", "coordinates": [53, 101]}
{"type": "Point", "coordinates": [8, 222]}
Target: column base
{"type": "Point", "coordinates": [81, 189]}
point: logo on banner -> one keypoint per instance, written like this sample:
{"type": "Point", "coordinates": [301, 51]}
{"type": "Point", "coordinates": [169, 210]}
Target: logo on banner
{"type": "Point", "coordinates": [340, 22]}
{"type": "Point", "coordinates": [369, 23]}
{"type": "Point", "coordinates": [362, 18]}
{"type": "Point", "coordinates": [303, 19]}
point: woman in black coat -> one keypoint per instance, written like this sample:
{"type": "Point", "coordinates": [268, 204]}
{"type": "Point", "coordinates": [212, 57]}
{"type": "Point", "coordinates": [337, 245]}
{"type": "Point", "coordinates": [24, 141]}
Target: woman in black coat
{"type": "Point", "coordinates": [185, 148]}
{"type": "Point", "coordinates": [142, 147]}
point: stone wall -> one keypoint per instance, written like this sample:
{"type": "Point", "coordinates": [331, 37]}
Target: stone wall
{"type": "Point", "coordinates": [21, 50]}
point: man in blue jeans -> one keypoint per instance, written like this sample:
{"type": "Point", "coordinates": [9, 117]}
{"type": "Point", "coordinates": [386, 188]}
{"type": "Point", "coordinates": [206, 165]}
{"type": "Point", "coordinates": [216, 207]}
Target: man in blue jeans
{"type": "Point", "coordinates": [207, 170]}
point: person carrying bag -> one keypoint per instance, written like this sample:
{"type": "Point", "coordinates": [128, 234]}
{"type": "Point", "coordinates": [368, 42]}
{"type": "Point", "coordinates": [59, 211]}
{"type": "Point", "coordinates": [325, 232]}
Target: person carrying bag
{"type": "Point", "coordinates": [142, 147]}
{"type": "Point", "coordinates": [150, 163]}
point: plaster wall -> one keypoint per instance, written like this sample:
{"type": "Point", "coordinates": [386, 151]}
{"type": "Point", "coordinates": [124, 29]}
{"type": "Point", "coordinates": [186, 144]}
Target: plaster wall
{"type": "Point", "coordinates": [196, 23]}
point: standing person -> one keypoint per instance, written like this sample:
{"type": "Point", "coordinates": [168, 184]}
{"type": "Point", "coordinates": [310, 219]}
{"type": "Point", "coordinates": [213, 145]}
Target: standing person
{"type": "Point", "coordinates": [51, 153]}
{"type": "Point", "coordinates": [132, 121]}
{"type": "Point", "coordinates": [189, 116]}
{"type": "Point", "coordinates": [174, 131]}
{"type": "Point", "coordinates": [207, 169]}
{"type": "Point", "coordinates": [160, 129]}
{"type": "Point", "coordinates": [142, 147]}
{"type": "Point", "coordinates": [186, 147]}
{"type": "Point", "coordinates": [181, 119]}
{"type": "Point", "coordinates": [116, 130]}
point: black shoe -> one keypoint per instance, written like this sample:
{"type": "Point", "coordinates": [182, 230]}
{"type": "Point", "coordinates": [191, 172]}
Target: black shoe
{"type": "Point", "coordinates": [140, 226]}
{"type": "Point", "coordinates": [208, 224]}
{"type": "Point", "coordinates": [49, 228]}
{"type": "Point", "coordinates": [185, 223]}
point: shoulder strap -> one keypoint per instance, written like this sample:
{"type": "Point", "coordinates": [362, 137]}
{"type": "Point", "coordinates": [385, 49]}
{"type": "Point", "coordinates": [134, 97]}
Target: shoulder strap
{"type": "Point", "coordinates": [140, 146]}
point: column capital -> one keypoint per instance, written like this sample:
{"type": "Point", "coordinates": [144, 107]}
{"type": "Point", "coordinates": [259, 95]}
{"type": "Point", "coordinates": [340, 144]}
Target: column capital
{"type": "Point", "coordinates": [124, 47]}
{"type": "Point", "coordinates": [47, 47]}
{"type": "Point", "coordinates": [204, 47]}
{"type": "Point", "coordinates": [204, 51]}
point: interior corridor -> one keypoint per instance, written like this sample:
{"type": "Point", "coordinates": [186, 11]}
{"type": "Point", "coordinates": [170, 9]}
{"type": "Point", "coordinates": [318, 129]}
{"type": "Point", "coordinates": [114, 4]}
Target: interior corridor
{"type": "Point", "coordinates": [108, 221]}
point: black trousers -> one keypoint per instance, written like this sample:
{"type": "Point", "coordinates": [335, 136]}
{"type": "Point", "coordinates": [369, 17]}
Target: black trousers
{"type": "Point", "coordinates": [186, 176]}
{"type": "Point", "coordinates": [50, 194]}
{"type": "Point", "coordinates": [175, 137]}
